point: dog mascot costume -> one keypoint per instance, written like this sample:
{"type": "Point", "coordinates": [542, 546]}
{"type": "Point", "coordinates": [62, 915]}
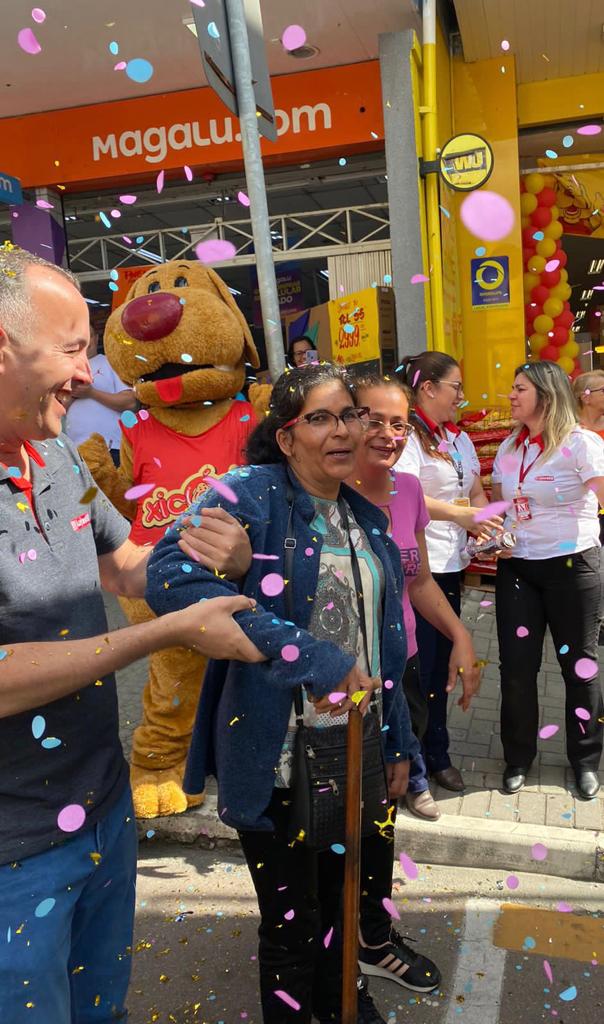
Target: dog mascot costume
{"type": "Point", "coordinates": [181, 342]}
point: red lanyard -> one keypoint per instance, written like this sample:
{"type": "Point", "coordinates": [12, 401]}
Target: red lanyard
{"type": "Point", "coordinates": [523, 472]}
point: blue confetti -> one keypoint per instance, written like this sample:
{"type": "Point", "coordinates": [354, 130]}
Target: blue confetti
{"type": "Point", "coordinates": [113, 274]}
{"type": "Point", "coordinates": [529, 942]}
{"type": "Point", "coordinates": [569, 994]}
{"type": "Point", "coordinates": [105, 219]}
{"type": "Point", "coordinates": [76, 469]}
{"type": "Point", "coordinates": [244, 419]}
{"type": "Point", "coordinates": [213, 30]}
{"type": "Point", "coordinates": [139, 239]}
{"type": "Point", "coordinates": [114, 48]}
{"type": "Point", "coordinates": [443, 210]}
{"type": "Point", "coordinates": [139, 70]}
{"type": "Point", "coordinates": [38, 726]}
{"type": "Point", "coordinates": [567, 141]}
{"type": "Point", "coordinates": [59, 442]}
{"type": "Point", "coordinates": [14, 471]}
{"type": "Point", "coordinates": [387, 278]}
{"type": "Point", "coordinates": [240, 397]}
{"type": "Point", "coordinates": [342, 161]}
{"type": "Point", "coordinates": [44, 907]}
{"type": "Point", "coordinates": [338, 848]}
{"type": "Point", "coordinates": [128, 418]}
{"type": "Point", "coordinates": [185, 567]}
{"type": "Point", "coordinates": [51, 742]}
{"type": "Point", "coordinates": [480, 251]}
{"type": "Point", "coordinates": [538, 236]}
{"type": "Point", "coordinates": [3, 655]}
{"type": "Point", "coordinates": [113, 286]}
{"type": "Point", "coordinates": [196, 520]}
{"type": "Point", "coordinates": [564, 649]}
{"type": "Point", "coordinates": [551, 153]}
{"type": "Point", "coordinates": [150, 833]}
{"type": "Point", "coordinates": [186, 358]}
{"type": "Point", "coordinates": [348, 329]}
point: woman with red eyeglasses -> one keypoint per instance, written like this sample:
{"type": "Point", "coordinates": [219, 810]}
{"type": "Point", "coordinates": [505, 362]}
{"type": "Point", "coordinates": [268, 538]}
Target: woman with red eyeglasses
{"type": "Point", "coordinates": [444, 459]}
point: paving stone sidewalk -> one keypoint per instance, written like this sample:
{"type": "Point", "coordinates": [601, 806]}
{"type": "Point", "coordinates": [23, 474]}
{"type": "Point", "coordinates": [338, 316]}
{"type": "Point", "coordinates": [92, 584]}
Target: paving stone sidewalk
{"type": "Point", "coordinates": [547, 800]}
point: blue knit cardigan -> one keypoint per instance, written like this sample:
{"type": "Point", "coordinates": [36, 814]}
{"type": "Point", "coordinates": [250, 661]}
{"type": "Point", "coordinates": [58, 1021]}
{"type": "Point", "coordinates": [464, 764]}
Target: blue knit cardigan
{"type": "Point", "coordinates": [244, 709]}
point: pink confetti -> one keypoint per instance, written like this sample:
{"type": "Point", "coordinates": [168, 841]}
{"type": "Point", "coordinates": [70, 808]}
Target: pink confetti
{"type": "Point", "coordinates": [581, 713]}
{"type": "Point", "coordinates": [289, 915]}
{"type": "Point", "coordinates": [115, 214]}
{"type": "Point", "coordinates": [485, 604]}
{"type": "Point", "coordinates": [266, 558]}
{"type": "Point", "coordinates": [272, 584]}
{"type": "Point", "coordinates": [409, 866]}
{"type": "Point", "coordinates": [309, 551]}
{"type": "Point", "coordinates": [564, 908]}
{"type": "Point", "coordinates": [188, 172]}
{"type": "Point", "coordinates": [548, 971]}
{"type": "Point", "coordinates": [487, 215]}
{"type": "Point", "coordinates": [128, 200]}
{"type": "Point", "coordinates": [157, 461]}
{"type": "Point", "coordinates": [512, 882]}
{"type": "Point", "coordinates": [243, 199]}
{"type": "Point", "coordinates": [505, 44]}
{"type": "Point", "coordinates": [586, 668]}
{"type": "Point", "coordinates": [539, 851]}
{"type": "Point", "coordinates": [419, 279]}
{"type": "Point", "coordinates": [552, 265]}
{"type": "Point", "coordinates": [287, 999]}
{"type": "Point", "coordinates": [71, 818]}
{"type": "Point", "coordinates": [22, 557]}
{"type": "Point", "coordinates": [32, 554]}
{"type": "Point", "coordinates": [328, 938]}
{"type": "Point", "coordinates": [290, 652]}
{"type": "Point", "coordinates": [38, 15]}
{"type": "Point", "coordinates": [390, 908]}
{"type": "Point", "coordinates": [444, 446]}
{"type": "Point", "coordinates": [214, 251]}
{"type": "Point", "coordinates": [566, 453]}
{"type": "Point", "coordinates": [159, 182]}
{"type": "Point", "coordinates": [293, 37]}
{"type": "Point", "coordinates": [199, 3]}
{"type": "Point", "coordinates": [415, 378]}
{"type": "Point", "coordinates": [43, 204]}
{"type": "Point", "coordinates": [548, 731]}
{"type": "Point", "coordinates": [127, 240]}
{"type": "Point", "coordinates": [522, 631]}
{"type": "Point", "coordinates": [223, 489]}
{"type": "Point", "coordinates": [388, 684]}
{"type": "Point", "coordinates": [336, 697]}
{"type": "Point", "coordinates": [120, 66]}
{"type": "Point", "coordinates": [143, 414]}
{"type": "Point", "coordinates": [589, 129]}
{"type": "Point", "coordinates": [136, 492]}
{"type": "Point", "coordinates": [329, 606]}
{"type": "Point", "coordinates": [28, 42]}
{"type": "Point", "coordinates": [496, 508]}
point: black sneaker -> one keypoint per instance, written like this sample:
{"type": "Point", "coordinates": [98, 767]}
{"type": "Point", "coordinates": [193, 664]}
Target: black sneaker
{"type": "Point", "coordinates": [367, 1012]}
{"type": "Point", "coordinates": [400, 963]}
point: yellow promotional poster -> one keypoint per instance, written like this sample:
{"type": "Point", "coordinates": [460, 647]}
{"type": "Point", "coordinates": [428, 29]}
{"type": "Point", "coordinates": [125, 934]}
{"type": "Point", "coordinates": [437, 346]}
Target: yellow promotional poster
{"type": "Point", "coordinates": [580, 199]}
{"type": "Point", "coordinates": [466, 162]}
{"type": "Point", "coordinates": [355, 326]}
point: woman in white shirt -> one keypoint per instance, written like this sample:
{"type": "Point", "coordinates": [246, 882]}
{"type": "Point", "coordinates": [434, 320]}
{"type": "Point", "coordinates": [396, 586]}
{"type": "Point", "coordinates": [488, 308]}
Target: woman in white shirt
{"type": "Point", "coordinates": [551, 471]}
{"type": "Point", "coordinates": [444, 459]}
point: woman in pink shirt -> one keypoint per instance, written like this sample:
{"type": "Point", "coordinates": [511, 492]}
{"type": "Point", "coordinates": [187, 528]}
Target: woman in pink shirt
{"type": "Point", "coordinates": [401, 498]}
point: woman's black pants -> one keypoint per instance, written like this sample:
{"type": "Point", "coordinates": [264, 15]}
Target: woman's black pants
{"type": "Point", "coordinates": [564, 594]}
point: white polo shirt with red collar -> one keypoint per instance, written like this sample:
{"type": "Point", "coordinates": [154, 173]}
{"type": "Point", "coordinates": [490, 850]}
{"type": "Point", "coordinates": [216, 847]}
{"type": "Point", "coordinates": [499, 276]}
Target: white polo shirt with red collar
{"type": "Point", "coordinates": [563, 509]}
{"type": "Point", "coordinates": [446, 480]}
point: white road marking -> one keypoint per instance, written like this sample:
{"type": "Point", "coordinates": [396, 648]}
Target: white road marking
{"type": "Point", "coordinates": [477, 955]}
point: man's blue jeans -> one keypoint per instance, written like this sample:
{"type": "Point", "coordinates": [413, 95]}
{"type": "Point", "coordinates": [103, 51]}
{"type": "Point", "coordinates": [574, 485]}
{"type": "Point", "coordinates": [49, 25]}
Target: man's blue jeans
{"type": "Point", "coordinates": [71, 965]}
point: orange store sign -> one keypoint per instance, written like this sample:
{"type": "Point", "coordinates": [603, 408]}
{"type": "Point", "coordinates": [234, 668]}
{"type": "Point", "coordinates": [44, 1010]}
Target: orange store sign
{"type": "Point", "coordinates": [334, 109]}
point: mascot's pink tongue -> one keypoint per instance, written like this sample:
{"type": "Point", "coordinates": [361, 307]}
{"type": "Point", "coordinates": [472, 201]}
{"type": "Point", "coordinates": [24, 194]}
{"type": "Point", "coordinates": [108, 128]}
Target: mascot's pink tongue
{"type": "Point", "coordinates": [169, 390]}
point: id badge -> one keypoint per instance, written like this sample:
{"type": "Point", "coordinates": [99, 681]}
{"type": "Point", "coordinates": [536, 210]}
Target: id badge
{"type": "Point", "coordinates": [523, 509]}
{"type": "Point", "coordinates": [463, 502]}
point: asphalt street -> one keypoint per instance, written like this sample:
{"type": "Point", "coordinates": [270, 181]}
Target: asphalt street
{"type": "Point", "coordinates": [512, 949]}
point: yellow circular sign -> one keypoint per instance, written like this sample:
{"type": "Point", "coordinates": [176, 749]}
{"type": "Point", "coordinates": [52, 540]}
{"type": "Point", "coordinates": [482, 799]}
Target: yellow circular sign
{"type": "Point", "coordinates": [489, 286]}
{"type": "Point", "coordinates": [466, 162]}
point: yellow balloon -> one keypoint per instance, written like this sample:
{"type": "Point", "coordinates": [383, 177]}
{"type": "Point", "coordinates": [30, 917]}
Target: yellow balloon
{"type": "Point", "coordinates": [530, 281]}
{"type": "Point", "coordinates": [554, 230]}
{"type": "Point", "coordinates": [543, 324]}
{"type": "Point", "coordinates": [546, 247]}
{"type": "Point", "coordinates": [555, 210]}
{"type": "Point", "coordinates": [567, 291]}
{"type": "Point", "coordinates": [571, 349]}
{"type": "Point", "coordinates": [536, 264]}
{"type": "Point", "coordinates": [553, 307]}
{"type": "Point", "coordinates": [566, 364]}
{"type": "Point", "coordinates": [528, 203]}
{"type": "Point", "coordinates": [548, 181]}
{"type": "Point", "coordinates": [533, 183]}
{"type": "Point", "coordinates": [557, 292]}
{"type": "Point", "coordinates": [563, 274]}
{"type": "Point", "coordinates": [538, 341]}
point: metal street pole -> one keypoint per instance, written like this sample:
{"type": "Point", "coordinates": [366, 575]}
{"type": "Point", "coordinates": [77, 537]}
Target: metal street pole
{"type": "Point", "coordinates": [254, 173]}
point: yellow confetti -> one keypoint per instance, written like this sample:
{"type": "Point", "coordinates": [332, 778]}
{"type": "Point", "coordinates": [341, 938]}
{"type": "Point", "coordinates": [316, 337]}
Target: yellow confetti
{"type": "Point", "coordinates": [98, 682]}
{"type": "Point", "coordinates": [233, 720]}
{"type": "Point", "coordinates": [22, 506]}
{"type": "Point", "coordinates": [63, 632]}
{"type": "Point", "coordinates": [88, 495]}
{"type": "Point", "coordinates": [97, 1000]}
{"type": "Point", "coordinates": [358, 696]}
{"type": "Point", "coordinates": [96, 858]}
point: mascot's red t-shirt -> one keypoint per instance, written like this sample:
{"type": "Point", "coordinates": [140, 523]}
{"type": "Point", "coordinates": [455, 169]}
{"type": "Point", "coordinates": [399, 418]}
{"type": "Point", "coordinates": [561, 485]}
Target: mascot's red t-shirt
{"type": "Point", "coordinates": [177, 466]}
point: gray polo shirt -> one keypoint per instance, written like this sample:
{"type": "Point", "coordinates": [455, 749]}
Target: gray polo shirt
{"type": "Point", "coordinates": [50, 590]}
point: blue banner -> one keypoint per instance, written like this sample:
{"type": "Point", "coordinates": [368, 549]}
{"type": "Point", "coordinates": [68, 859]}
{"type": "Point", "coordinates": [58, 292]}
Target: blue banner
{"type": "Point", "coordinates": [490, 282]}
{"type": "Point", "coordinates": [10, 189]}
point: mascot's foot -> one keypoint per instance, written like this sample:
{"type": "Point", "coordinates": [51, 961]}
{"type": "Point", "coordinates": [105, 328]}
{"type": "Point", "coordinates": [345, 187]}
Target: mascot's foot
{"type": "Point", "coordinates": [157, 794]}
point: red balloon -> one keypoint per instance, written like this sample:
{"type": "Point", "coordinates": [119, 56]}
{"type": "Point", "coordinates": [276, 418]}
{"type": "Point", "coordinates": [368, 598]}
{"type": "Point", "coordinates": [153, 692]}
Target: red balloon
{"type": "Point", "coordinates": [562, 257]}
{"type": "Point", "coordinates": [527, 237]}
{"type": "Point", "coordinates": [566, 306]}
{"type": "Point", "coordinates": [559, 336]}
{"type": "Point", "coordinates": [565, 319]}
{"type": "Point", "coordinates": [540, 294]}
{"type": "Point", "coordinates": [531, 311]}
{"type": "Point", "coordinates": [576, 372]}
{"type": "Point", "coordinates": [527, 254]}
{"type": "Point", "coordinates": [550, 278]}
{"type": "Point", "coordinates": [522, 185]}
{"type": "Point", "coordinates": [550, 352]}
{"type": "Point", "coordinates": [547, 197]}
{"type": "Point", "coordinates": [541, 217]}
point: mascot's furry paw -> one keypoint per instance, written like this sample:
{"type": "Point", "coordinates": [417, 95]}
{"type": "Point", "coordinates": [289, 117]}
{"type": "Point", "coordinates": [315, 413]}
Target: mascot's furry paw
{"type": "Point", "coordinates": [260, 396]}
{"type": "Point", "coordinates": [96, 455]}
{"type": "Point", "coordinates": [158, 794]}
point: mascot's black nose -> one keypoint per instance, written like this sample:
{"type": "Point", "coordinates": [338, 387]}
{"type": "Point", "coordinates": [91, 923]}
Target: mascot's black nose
{"type": "Point", "coordinates": [152, 317]}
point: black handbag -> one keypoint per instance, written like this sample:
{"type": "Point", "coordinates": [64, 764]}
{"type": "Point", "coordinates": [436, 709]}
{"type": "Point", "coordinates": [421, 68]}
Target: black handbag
{"type": "Point", "coordinates": [318, 806]}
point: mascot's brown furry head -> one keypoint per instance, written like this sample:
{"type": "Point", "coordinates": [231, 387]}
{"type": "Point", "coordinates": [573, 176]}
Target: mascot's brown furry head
{"type": "Point", "coordinates": [179, 338]}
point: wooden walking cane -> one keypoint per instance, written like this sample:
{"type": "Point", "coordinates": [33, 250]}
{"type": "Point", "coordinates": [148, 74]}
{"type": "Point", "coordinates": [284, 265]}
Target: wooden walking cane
{"type": "Point", "coordinates": [352, 869]}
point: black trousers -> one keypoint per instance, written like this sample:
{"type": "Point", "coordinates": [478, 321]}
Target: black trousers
{"type": "Point", "coordinates": [292, 955]}
{"type": "Point", "coordinates": [564, 594]}
{"type": "Point", "coordinates": [434, 653]}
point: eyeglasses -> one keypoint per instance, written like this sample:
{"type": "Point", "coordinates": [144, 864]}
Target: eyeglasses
{"type": "Point", "coordinates": [592, 391]}
{"type": "Point", "coordinates": [323, 422]}
{"type": "Point", "coordinates": [457, 384]}
{"type": "Point", "coordinates": [399, 428]}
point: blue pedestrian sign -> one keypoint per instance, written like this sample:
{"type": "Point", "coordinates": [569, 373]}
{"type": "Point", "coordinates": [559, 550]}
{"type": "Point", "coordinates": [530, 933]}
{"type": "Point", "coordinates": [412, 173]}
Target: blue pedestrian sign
{"type": "Point", "coordinates": [490, 282]}
{"type": "Point", "coordinates": [10, 190]}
